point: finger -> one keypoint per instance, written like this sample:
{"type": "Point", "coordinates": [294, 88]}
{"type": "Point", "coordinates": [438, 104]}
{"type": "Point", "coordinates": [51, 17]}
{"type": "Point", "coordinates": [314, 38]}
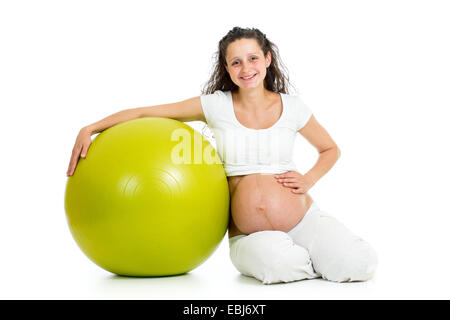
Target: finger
{"type": "Point", "coordinates": [72, 167]}
{"type": "Point", "coordinates": [75, 155]}
{"type": "Point", "coordinates": [69, 169]}
{"type": "Point", "coordinates": [74, 159]}
{"type": "Point", "coordinates": [287, 180]}
{"type": "Point", "coordinates": [298, 191]}
{"type": "Point", "coordinates": [290, 184]}
{"type": "Point", "coordinates": [282, 175]}
{"type": "Point", "coordinates": [83, 152]}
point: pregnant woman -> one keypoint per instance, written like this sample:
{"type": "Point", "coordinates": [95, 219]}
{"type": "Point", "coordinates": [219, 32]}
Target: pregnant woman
{"type": "Point", "coordinates": [277, 233]}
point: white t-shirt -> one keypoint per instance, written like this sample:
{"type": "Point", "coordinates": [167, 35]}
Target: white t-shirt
{"type": "Point", "coordinates": [244, 150]}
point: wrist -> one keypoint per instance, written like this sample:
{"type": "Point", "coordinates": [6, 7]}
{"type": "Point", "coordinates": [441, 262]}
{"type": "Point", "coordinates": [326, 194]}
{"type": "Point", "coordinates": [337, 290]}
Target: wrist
{"type": "Point", "coordinates": [313, 178]}
{"type": "Point", "coordinates": [88, 130]}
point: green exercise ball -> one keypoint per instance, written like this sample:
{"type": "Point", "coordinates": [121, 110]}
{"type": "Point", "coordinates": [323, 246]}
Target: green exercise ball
{"type": "Point", "coordinates": [150, 199]}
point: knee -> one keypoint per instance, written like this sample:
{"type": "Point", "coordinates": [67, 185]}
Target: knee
{"type": "Point", "coordinates": [264, 248]}
{"type": "Point", "coordinates": [358, 263]}
{"type": "Point", "coordinates": [271, 257]}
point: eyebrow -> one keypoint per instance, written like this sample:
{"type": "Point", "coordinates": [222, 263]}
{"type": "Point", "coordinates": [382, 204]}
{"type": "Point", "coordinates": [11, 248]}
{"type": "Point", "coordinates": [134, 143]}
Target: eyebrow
{"type": "Point", "coordinates": [248, 55]}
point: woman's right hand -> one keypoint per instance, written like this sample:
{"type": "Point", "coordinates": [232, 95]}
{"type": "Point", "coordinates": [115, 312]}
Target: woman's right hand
{"type": "Point", "coordinates": [80, 149]}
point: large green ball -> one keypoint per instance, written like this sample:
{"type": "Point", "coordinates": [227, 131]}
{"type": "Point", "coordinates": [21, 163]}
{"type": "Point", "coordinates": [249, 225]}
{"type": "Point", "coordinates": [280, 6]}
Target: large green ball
{"type": "Point", "coordinates": [150, 199]}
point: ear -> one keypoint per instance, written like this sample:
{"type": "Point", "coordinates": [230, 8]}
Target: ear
{"type": "Point", "coordinates": [268, 59]}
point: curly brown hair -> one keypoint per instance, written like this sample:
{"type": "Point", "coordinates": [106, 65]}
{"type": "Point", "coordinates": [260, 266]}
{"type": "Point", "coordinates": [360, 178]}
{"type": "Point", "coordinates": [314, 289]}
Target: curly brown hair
{"type": "Point", "coordinates": [276, 80]}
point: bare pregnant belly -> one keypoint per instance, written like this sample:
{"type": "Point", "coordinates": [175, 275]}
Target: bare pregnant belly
{"type": "Point", "coordinates": [259, 202]}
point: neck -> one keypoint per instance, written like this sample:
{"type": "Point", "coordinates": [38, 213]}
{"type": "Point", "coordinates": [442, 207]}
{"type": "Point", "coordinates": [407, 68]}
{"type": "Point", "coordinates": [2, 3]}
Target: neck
{"type": "Point", "coordinates": [252, 99]}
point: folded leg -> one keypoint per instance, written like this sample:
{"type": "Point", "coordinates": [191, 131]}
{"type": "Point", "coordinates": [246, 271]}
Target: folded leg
{"type": "Point", "coordinates": [336, 253]}
{"type": "Point", "coordinates": [271, 257]}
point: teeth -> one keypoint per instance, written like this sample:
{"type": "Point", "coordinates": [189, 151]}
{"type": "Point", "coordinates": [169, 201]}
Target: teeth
{"type": "Point", "coordinates": [249, 77]}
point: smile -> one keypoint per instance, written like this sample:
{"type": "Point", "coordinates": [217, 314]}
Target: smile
{"type": "Point", "coordinates": [249, 78]}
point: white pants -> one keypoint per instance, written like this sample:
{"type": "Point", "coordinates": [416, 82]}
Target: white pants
{"type": "Point", "coordinates": [319, 246]}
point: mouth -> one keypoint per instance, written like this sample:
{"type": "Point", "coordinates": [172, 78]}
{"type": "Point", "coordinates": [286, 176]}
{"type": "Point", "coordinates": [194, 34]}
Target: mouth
{"type": "Point", "coordinates": [249, 77]}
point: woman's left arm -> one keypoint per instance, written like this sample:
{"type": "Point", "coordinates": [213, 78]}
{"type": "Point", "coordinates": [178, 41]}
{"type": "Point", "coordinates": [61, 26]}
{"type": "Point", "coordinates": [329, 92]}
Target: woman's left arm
{"type": "Point", "coordinates": [328, 155]}
{"type": "Point", "coordinates": [329, 152]}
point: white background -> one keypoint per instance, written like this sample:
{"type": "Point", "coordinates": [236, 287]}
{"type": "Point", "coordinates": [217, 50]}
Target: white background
{"type": "Point", "coordinates": [375, 73]}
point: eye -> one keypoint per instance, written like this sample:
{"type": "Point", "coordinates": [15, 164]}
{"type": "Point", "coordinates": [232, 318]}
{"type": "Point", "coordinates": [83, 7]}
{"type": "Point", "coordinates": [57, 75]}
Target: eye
{"type": "Point", "coordinates": [237, 61]}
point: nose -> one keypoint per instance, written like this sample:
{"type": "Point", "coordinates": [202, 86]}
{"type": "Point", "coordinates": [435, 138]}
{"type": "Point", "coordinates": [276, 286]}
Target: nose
{"type": "Point", "coordinates": [245, 67]}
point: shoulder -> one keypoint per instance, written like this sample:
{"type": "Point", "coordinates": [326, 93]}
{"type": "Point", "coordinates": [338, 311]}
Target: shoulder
{"type": "Point", "coordinates": [299, 110]}
{"type": "Point", "coordinates": [216, 94]}
{"type": "Point", "coordinates": [293, 98]}
{"type": "Point", "coordinates": [214, 99]}
{"type": "Point", "coordinates": [296, 102]}
{"type": "Point", "coordinates": [215, 105]}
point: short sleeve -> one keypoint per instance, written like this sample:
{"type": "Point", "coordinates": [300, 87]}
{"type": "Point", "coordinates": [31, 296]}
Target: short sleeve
{"type": "Point", "coordinates": [211, 105]}
{"type": "Point", "coordinates": [303, 113]}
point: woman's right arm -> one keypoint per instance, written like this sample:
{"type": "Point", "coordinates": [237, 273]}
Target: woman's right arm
{"type": "Point", "coordinates": [187, 110]}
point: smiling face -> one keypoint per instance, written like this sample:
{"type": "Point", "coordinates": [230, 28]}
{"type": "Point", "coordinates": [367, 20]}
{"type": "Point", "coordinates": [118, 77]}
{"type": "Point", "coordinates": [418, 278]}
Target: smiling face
{"type": "Point", "coordinates": [246, 63]}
